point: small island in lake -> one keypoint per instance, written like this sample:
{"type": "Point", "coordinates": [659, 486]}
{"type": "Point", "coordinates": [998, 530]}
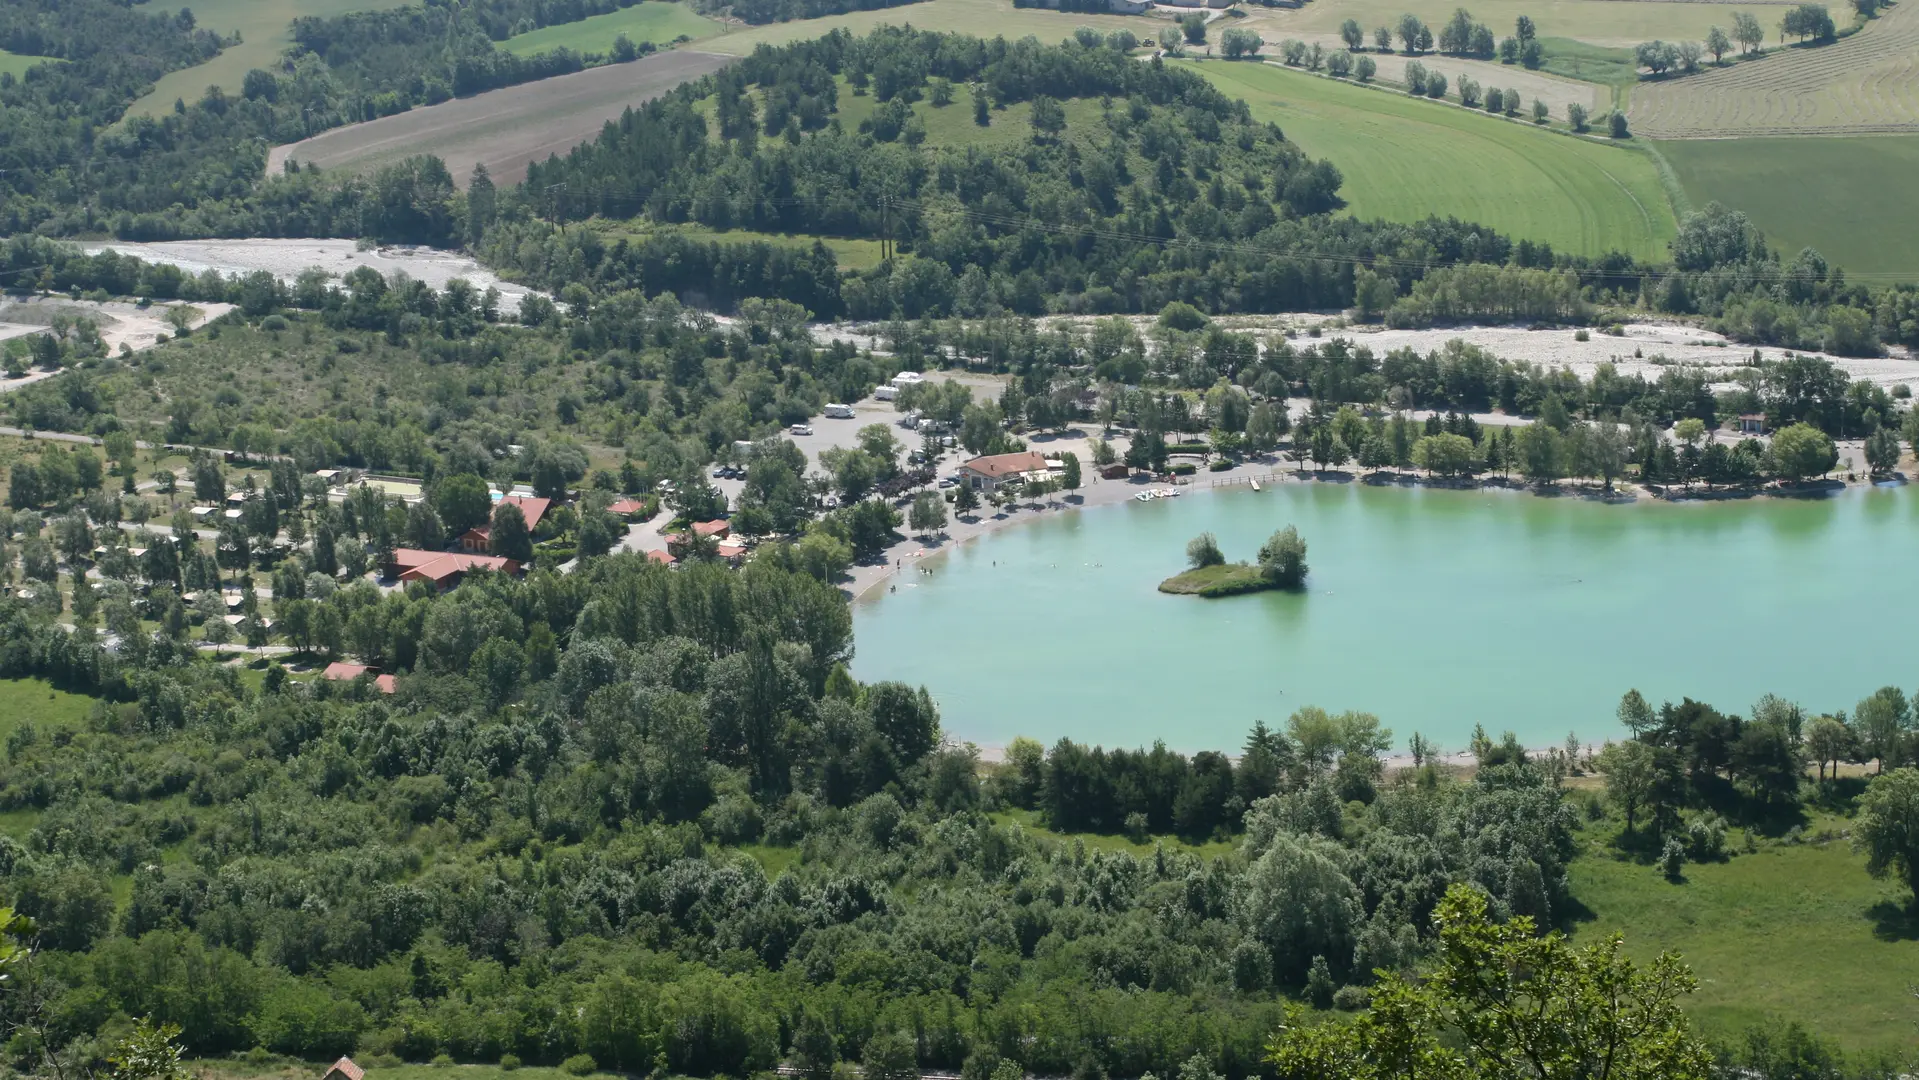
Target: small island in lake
{"type": "Point", "coordinates": [1281, 565]}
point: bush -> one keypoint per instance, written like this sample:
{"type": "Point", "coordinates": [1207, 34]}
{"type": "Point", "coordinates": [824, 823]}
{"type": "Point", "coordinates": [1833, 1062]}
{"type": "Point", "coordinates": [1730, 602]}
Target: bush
{"type": "Point", "coordinates": [1351, 998]}
{"type": "Point", "coordinates": [1136, 827]}
{"type": "Point", "coordinates": [1220, 465]}
{"type": "Point", "coordinates": [1901, 391]}
{"type": "Point", "coordinates": [509, 1062]}
{"type": "Point", "coordinates": [1672, 858]}
{"type": "Point", "coordinates": [1184, 468]}
{"type": "Point", "coordinates": [442, 1061]}
{"type": "Point", "coordinates": [1706, 838]}
{"type": "Point", "coordinates": [579, 1065]}
{"type": "Point", "coordinates": [1581, 335]}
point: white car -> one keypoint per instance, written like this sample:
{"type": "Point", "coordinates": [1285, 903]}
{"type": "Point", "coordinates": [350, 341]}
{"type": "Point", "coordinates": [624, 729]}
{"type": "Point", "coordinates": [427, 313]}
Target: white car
{"type": "Point", "coordinates": [800, 429]}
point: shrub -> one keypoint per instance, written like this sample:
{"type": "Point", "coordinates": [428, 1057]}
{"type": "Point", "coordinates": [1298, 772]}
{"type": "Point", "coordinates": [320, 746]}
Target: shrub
{"type": "Point", "coordinates": [1220, 465]}
{"type": "Point", "coordinates": [1136, 827]}
{"type": "Point", "coordinates": [1351, 998]}
{"type": "Point", "coordinates": [579, 1065]}
{"type": "Point", "coordinates": [509, 1062]}
{"type": "Point", "coordinates": [1184, 468]}
{"type": "Point", "coordinates": [1581, 335]}
{"type": "Point", "coordinates": [1672, 858]}
{"type": "Point", "coordinates": [442, 1061]}
{"type": "Point", "coordinates": [1706, 838]}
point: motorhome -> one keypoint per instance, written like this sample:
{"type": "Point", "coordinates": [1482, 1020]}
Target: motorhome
{"type": "Point", "coordinates": [837, 411]}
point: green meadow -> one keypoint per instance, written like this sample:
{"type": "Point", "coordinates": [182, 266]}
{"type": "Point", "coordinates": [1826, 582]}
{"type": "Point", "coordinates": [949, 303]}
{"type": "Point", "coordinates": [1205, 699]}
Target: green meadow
{"type": "Point", "coordinates": [1794, 931]}
{"type": "Point", "coordinates": [653, 20]}
{"type": "Point", "coordinates": [1832, 194]}
{"type": "Point", "coordinates": [1407, 159]}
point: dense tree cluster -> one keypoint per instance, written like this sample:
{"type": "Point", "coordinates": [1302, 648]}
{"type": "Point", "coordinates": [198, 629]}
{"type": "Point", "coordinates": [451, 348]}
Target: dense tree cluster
{"type": "Point", "coordinates": [533, 846]}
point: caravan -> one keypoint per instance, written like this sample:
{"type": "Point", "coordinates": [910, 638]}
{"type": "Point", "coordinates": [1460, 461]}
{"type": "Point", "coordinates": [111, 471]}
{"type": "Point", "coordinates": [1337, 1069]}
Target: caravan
{"type": "Point", "coordinates": [837, 411]}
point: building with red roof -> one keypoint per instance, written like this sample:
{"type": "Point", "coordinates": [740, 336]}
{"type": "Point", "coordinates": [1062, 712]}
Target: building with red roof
{"type": "Point", "coordinates": [662, 557]}
{"type": "Point", "coordinates": [345, 672]}
{"type": "Point", "coordinates": [477, 540]}
{"type": "Point", "coordinates": [988, 473]}
{"type": "Point", "coordinates": [443, 568]}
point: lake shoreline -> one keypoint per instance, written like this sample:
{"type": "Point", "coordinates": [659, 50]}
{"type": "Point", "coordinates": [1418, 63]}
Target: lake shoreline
{"type": "Point", "coordinates": [908, 554]}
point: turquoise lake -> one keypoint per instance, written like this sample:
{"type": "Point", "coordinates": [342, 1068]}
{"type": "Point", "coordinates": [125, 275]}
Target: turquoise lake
{"type": "Point", "coordinates": [1434, 609]}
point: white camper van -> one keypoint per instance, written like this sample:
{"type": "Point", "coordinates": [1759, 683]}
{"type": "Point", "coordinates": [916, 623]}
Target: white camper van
{"type": "Point", "coordinates": [836, 411]}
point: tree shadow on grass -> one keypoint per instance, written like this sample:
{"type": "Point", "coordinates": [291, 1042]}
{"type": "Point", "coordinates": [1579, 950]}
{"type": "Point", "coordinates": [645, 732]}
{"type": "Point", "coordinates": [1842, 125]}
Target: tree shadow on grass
{"type": "Point", "coordinates": [1894, 922]}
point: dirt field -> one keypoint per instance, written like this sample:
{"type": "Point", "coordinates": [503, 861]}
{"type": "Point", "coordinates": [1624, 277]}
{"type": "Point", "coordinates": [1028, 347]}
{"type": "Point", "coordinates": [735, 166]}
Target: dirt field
{"type": "Point", "coordinates": [1865, 84]}
{"type": "Point", "coordinates": [506, 128]}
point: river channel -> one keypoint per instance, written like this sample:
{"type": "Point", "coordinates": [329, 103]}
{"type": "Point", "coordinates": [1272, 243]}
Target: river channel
{"type": "Point", "coordinates": [1434, 609]}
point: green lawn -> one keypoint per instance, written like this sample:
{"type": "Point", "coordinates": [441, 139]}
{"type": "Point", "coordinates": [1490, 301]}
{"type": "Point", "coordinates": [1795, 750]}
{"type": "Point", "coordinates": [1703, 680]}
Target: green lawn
{"type": "Point", "coordinates": [1794, 932]}
{"type": "Point", "coordinates": [16, 64]}
{"type": "Point", "coordinates": [263, 26]}
{"type": "Point", "coordinates": [654, 21]}
{"type": "Point", "coordinates": [1831, 194]}
{"type": "Point", "coordinates": [35, 701]}
{"type": "Point", "coordinates": [1407, 159]}
{"type": "Point", "coordinates": [1030, 821]}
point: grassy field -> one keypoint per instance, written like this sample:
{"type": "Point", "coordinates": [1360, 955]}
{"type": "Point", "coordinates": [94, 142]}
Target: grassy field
{"type": "Point", "coordinates": [653, 21]}
{"type": "Point", "coordinates": [1604, 22]}
{"type": "Point", "coordinates": [36, 702]}
{"type": "Point", "coordinates": [1601, 64]}
{"type": "Point", "coordinates": [16, 64]}
{"type": "Point", "coordinates": [1405, 160]}
{"type": "Point", "coordinates": [1227, 579]}
{"type": "Point", "coordinates": [263, 32]}
{"type": "Point", "coordinates": [1793, 932]}
{"type": "Point", "coordinates": [1830, 194]}
{"type": "Point", "coordinates": [1866, 83]}
{"type": "Point", "coordinates": [1030, 821]}
{"type": "Point", "coordinates": [983, 18]}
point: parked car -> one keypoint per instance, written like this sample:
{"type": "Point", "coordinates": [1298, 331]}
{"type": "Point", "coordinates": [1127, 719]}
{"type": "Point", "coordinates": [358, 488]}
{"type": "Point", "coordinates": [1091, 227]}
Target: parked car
{"type": "Point", "coordinates": [801, 429]}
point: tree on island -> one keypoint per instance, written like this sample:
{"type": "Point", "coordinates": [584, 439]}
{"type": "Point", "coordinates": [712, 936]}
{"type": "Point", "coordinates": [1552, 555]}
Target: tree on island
{"type": "Point", "coordinates": [1282, 559]}
{"type": "Point", "coordinates": [1203, 551]}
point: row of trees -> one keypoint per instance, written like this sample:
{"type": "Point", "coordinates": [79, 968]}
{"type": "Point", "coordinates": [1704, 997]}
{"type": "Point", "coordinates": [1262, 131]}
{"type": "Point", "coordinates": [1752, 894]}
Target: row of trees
{"type": "Point", "coordinates": [1461, 36]}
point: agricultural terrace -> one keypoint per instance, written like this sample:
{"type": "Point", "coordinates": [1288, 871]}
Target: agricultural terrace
{"type": "Point", "coordinates": [981, 18]}
{"type": "Point", "coordinates": [1830, 195]}
{"type": "Point", "coordinates": [1406, 159]}
{"type": "Point", "coordinates": [1602, 22]}
{"type": "Point", "coordinates": [504, 128]}
{"type": "Point", "coordinates": [653, 20]}
{"type": "Point", "coordinates": [1865, 83]}
{"type": "Point", "coordinates": [263, 26]}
